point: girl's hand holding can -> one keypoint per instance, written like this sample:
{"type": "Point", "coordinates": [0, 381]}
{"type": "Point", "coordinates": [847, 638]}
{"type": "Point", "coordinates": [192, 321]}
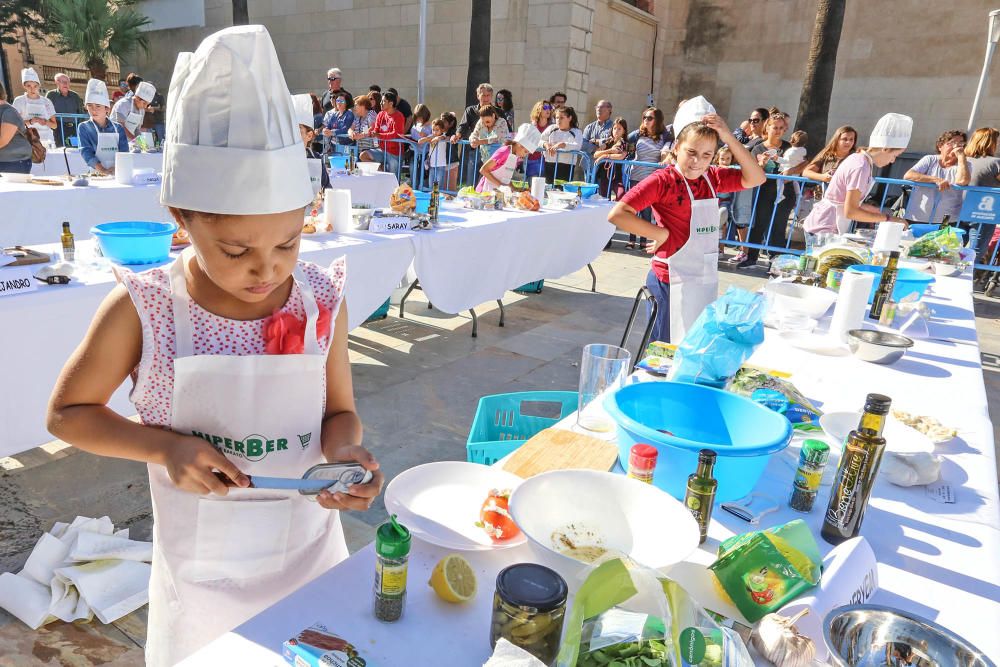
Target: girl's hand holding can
{"type": "Point", "coordinates": [191, 463]}
{"type": "Point", "coordinates": [359, 496]}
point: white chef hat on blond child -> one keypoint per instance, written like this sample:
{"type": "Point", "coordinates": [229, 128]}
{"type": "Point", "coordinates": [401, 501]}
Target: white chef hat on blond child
{"type": "Point", "coordinates": [528, 136]}
{"type": "Point", "coordinates": [97, 93]}
{"type": "Point", "coordinates": [29, 74]}
{"type": "Point", "coordinates": [232, 142]}
{"type": "Point", "coordinates": [692, 111]}
{"type": "Point", "coordinates": [892, 130]}
{"type": "Point", "coordinates": [303, 104]}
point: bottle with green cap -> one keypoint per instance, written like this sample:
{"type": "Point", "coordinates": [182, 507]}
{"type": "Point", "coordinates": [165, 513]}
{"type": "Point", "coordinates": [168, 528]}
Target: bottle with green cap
{"type": "Point", "coordinates": [392, 553]}
{"type": "Point", "coordinates": [812, 461]}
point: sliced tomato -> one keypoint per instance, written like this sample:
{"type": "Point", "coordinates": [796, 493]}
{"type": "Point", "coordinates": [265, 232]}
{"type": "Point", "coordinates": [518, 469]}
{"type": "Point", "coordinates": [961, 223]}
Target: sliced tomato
{"type": "Point", "coordinates": [495, 518]}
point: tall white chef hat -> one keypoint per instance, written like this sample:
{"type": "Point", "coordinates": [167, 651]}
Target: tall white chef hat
{"type": "Point", "coordinates": [691, 111]}
{"type": "Point", "coordinates": [892, 130]}
{"type": "Point", "coordinates": [97, 93]}
{"type": "Point", "coordinates": [303, 109]}
{"type": "Point", "coordinates": [231, 119]}
{"type": "Point", "coordinates": [29, 74]}
{"type": "Point", "coordinates": [528, 136]}
{"type": "Point", "coordinates": [146, 91]}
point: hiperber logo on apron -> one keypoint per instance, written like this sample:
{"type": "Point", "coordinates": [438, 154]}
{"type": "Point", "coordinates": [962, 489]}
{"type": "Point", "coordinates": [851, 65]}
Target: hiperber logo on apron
{"type": "Point", "coordinates": [253, 447]}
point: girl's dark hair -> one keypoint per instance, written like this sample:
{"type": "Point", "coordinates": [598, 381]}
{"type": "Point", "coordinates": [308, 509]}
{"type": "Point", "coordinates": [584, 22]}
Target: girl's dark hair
{"type": "Point", "coordinates": [374, 88]}
{"type": "Point", "coordinates": [376, 98]}
{"type": "Point", "coordinates": [762, 112]}
{"type": "Point", "coordinates": [620, 121]}
{"type": "Point", "coordinates": [450, 119]}
{"type": "Point", "coordinates": [508, 99]}
{"type": "Point", "coordinates": [421, 113]}
{"type": "Point", "coordinates": [658, 128]}
{"type": "Point", "coordinates": [440, 122]}
{"type": "Point", "coordinates": [133, 80]}
{"type": "Point", "coordinates": [571, 112]}
{"type": "Point", "coordinates": [390, 97]}
{"type": "Point", "coordinates": [317, 105]}
{"type": "Point", "coordinates": [489, 110]}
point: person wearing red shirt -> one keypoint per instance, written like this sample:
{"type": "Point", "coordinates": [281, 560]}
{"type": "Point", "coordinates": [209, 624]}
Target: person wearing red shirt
{"type": "Point", "coordinates": [389, 124]}
{"type": "Point", "coordinates": [684, 242]}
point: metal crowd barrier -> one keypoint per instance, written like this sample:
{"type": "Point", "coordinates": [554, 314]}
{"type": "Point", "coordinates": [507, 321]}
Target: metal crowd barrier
{"type": "Point", "coordinates": [72, 120]}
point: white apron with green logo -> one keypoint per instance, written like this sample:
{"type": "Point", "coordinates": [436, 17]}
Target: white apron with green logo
{"type": "Point", "coordinates": [694, 268]}
{"type": "Point", "coordinates": [107, 146]}
{"type": "Point", "coordinates": [219, 560]}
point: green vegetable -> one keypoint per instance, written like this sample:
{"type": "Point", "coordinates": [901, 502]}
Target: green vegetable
{"type": "Point", "coordinates": [646, 653]}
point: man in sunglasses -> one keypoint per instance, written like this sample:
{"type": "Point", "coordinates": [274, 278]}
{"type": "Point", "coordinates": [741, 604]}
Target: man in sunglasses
{"type": "Point", "coordinates": [333, 80]}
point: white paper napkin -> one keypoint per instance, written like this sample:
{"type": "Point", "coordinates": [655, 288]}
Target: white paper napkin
{"type": "Point", "coordinates": [112, 588]}
{"type": "Point", "coordinates": [48, 555]}
{"type": "Point", "coordinates": [26, 599]}
{"type": "Point", "coordinates": [507, 655]}
{"type": "Point", "coordinates": [94, 546]}
{"type": "Point", "coordinates": [66, 603]}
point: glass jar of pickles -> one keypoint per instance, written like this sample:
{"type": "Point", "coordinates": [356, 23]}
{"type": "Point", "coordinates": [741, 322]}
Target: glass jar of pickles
{"type": "Point", "coordinates": [528, 609]}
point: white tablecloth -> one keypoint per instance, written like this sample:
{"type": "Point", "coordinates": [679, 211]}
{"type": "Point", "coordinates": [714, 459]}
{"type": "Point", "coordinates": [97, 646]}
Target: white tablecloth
{"type": "Point", "coordinates": [39, 330]}
{"type": "Point", "coordinates": [375, 189]}
{"type": "Point", "coordinates": [33, 214]}
{"type": "Point", "coordinates": [476, 256]}
{"type": "Point", "coordinates": [939, 561]}
{"type": "Point", "coordinates": [55, 163]}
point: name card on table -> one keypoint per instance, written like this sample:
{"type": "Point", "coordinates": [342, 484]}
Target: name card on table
{"type": "Point", "coordinates": [16, 280]}
{"type": "Point", "coordinates": [381, 225]}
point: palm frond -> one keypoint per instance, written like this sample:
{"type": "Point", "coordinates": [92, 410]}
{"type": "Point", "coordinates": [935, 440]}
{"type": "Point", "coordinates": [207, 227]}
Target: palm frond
{"type": "Point", "coordinates": [97, 30]}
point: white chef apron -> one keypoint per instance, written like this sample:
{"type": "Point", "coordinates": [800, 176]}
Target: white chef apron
{"type": "Point", "coordinates": [315, 173]}
{"type": "Point", "coordinates": [219, 560]}
{"type": "Point", "coordinates": [107, 147]}
{"type": "Point", "coordinates": [503, 173]}
{"type": "Point", "coordinates": [694, 268]}
{"type": "Point", "coordinates": [843, 222]}
{"type": "Point", "coordinates": [134, 119]}
{"type": "Point", "coordinates": [36, 109]}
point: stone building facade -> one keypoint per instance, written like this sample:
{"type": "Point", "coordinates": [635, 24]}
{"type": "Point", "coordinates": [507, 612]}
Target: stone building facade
{"type": "Point", "coordinates": [922, 59]}
{"type": "Point", "coordinates": [47, 61]}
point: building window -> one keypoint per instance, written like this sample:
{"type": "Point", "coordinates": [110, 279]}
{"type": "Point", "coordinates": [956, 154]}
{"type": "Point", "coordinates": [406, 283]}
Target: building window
{"type": "Point", "coordinates": [644, 5]}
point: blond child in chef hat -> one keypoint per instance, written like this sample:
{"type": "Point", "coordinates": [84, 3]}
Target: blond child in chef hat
{"type": "Point", "coordinates": [238, 354]}
{"type": "Point", "coordinates": [36, 109]}
{"type": "Point", "coordinates": [500, 168]}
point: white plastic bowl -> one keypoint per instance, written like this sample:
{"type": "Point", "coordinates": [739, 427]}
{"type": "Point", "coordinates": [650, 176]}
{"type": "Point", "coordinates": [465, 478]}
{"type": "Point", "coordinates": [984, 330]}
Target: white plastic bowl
{"type": "Point", "coordinates": [613, 511]}
{"type": "Point", "coordinates": [11, 177]}
{"type": "Point", "coordinates": [806, 299]}
{"type": "Point", "coordinates": [368, 168]}
{"type": "Point", "coordinates": [944, 269]}
{"type": "Point", "coordinates": [899, 437]}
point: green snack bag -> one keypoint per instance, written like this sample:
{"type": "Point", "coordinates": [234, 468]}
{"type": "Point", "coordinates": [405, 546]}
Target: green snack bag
{"type": "Point", "coordinates": [762, 570]}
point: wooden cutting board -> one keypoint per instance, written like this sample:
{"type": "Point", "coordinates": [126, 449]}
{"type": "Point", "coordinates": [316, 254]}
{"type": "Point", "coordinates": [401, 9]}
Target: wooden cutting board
{"type": "Point", "coordinates": [558, 449]}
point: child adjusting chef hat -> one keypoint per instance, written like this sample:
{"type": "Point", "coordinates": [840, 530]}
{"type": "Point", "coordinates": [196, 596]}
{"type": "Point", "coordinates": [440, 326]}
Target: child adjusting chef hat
{"type": "Point", "coordinates": [145, 91]}
{"type": "Point", "coordinates": [528, 136]}
{"type": "Point", "coordinates": [692, 111]}
{"type": "Point", "coordinates": [231, 123]}
{"type": "Point", "coordinates": [303, 104]}
{"type": "Point", "coordinates": [97, 93]}
{"type": "Point", "coordinates": [892, 130]}
{"type": "Point", "coordinates": [29, 74]}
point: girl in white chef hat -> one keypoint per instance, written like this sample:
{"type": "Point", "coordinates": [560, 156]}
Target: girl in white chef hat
{"type": "Point", "coordinates": [238, 353]}
{"type": "Point", "coordinates": [499, 169]}
{"type": "Point", "coordinates": [36, 109]}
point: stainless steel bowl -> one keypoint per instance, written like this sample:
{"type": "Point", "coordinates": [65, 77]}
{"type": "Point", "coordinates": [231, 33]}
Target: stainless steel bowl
{"type": "Point", "coordinates": [878, 347]}
{"type": "Point", "coordinates": [362, 217]}
{"type": "Point", "coordinates": [868, 635]}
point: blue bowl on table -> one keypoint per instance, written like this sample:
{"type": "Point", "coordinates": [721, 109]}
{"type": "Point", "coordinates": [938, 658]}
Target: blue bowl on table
{"type": "Point", "coordinates": [586, 191]}
{"type": "Point", "coordinates": [134, 242]}
{"type": "Point", "coordinates": [423, 200]}
{"type": "Point", "coordinates": [923, 228]}
{"type": "Point", "coordinates": [680, 419]}
{"type": "Point", "coordinates": [908, 281]}
{"type": "Point", "coordinates": [338, 163]}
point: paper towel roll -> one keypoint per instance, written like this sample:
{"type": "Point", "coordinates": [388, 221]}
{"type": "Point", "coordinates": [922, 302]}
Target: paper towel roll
{"type": "Point", "coordinates": [337, 210]}
{"type": "Point", "coordinates": [888, 236]}
{"type": "Point", "coordinates": [124, 165]}
{"type": "Point", "coordinates": [852, 302]}
{"type": "Point", "coordinates": [538, 188]}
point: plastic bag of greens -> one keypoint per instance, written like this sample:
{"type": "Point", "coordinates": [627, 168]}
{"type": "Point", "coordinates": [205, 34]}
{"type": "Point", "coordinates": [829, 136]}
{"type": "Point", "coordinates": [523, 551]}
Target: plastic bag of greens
{"type": "Point", "coordinates": [777, 394]}
{"type": "Point", "coordinates": [630, 616]}
{"type": "Point", "coordinates": [940, 243]}
{"type": "Point", "coordinates": [721, 339]}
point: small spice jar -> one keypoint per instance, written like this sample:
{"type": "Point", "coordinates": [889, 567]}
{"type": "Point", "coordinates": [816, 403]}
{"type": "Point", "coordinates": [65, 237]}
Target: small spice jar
{"type": "Point", "coordinates": [392, 553]}
{"type": "Point", "coordinates": [642, 462]}
{"type": "Point", "coordinates": [528, 609]}
{"type": "Point", "coordinates": [812, 460]}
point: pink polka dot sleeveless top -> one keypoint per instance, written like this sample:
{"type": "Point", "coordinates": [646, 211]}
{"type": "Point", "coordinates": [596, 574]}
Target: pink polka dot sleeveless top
{"type": "Point", "coordinates": [154, 376]}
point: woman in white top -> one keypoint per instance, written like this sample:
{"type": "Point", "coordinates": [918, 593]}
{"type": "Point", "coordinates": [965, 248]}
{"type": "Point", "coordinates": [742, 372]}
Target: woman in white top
{"type": "Point", "coordinates": [565, 135]}
{"type": "Point", "coordinates": [36, 110]}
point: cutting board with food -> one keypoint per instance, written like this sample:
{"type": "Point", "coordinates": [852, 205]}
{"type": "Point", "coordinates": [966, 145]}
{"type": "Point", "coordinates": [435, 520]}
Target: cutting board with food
{"type": "Point", "coordinates": [558, 449]}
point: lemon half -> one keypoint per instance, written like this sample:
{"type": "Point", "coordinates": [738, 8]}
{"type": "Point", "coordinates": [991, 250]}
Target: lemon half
{"type": "Point", "coordinates": [453, 579]}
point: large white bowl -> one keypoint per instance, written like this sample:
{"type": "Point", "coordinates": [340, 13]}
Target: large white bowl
{"type": "Point", "coordinates": [806, 299]}
{"type": "Point", "coordinates": [439, 502]}
{"type": "Point", "coordinates": [613, 511]}
{"type": "Point", "coordinates": [11, 177]}
{"type": "Point", "coordinates": [899, 437]}
{"type": "Point", "coordinates": [945, 269]}
{"type": "Point", "coordinates": [368, 168]}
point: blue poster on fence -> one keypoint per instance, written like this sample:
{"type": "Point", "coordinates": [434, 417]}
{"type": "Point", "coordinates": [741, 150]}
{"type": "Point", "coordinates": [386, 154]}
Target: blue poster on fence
{"type": "Point", "coordinates": [980, 207]}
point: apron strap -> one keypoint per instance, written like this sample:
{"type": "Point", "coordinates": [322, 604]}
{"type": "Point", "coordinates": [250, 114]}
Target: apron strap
{"type": "Point", "coordinates": [182, 309]}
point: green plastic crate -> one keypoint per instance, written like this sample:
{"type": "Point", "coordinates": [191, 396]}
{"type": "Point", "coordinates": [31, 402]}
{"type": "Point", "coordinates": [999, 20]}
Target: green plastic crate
{"type": "Point", "coordinates": [530, 288]}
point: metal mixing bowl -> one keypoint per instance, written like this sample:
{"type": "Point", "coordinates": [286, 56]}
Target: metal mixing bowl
{"type": "Point", "coordinates": [868, 635]}
{"type": "Point", "coordinates": [362, 217]}
{"type": "Point", "coordinates": [878, 347]}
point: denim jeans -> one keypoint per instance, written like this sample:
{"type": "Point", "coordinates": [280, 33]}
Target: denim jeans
{"type": "Point", "coordinates": [661, 294]}
{"type": "Point", "coordinates": [17, 166]}
{"type": "Point", "coordinates": [438, 175]}
{"type": "Point", "coordinates": [389, 162]}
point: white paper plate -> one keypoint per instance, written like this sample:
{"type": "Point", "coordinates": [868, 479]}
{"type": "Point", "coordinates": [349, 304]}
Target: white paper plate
{"type": "Point", "coordinates": [899, 437]}
{"type": "Point", "coordinates": [816, 343]}
{"type": "Point", "coordinates": [439, 502]}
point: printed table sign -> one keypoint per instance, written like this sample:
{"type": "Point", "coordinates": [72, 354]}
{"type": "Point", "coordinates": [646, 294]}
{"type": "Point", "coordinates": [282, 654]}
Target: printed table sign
{"type": "Point", "coordinates": [16, 280]}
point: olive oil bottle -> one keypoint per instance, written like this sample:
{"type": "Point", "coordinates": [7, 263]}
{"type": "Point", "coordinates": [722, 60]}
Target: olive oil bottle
{"type": "Point", "coordinates": [68, 243]}
{"type": "Point", "coordinates": [859, 464]}
{"type": "Point", "coordinates": [884, 291]}
{"type": "Point", "coordinates": [700, 495]}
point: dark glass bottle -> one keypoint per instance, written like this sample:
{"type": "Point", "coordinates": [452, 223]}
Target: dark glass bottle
{"type": "Point", "coordinates": [859, 465]}
{"type": "Point", "coordinates": [885, 285]}
{"type": "Point", "coordinates": [435, 204]}
{"type": "Point", "coordinates": [700, 495]}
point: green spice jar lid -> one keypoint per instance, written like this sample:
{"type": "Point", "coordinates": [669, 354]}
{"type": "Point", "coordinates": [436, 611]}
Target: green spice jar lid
{"type": "Point", "coordinates": [392, 539]}
{"type": "Point", "coordinates": [816, 451]}
{"type": "Point", "coordinates": [532, 586]}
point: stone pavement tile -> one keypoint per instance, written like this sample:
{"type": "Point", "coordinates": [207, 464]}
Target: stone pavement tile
{"type": "Point", "coordinates": [536, 344]}
{"type": "Point", "coordinates": [357, 533]}
{"type": "Point", "coordinates": [71, 644]}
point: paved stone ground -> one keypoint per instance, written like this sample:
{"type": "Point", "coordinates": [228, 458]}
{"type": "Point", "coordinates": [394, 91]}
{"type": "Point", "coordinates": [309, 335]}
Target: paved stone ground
{"type": "Point", "coordinates": [417, 381]}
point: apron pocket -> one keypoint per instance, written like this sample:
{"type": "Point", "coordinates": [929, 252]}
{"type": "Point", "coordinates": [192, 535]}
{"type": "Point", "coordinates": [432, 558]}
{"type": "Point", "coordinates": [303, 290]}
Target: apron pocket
{"type": "Point", "coordinates": [241, 539]}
